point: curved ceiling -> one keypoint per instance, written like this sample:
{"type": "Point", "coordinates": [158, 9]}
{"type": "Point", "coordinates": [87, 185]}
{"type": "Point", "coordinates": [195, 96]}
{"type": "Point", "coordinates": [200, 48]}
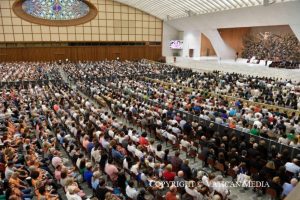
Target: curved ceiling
{"type": "Point", "coordinates": [171, 9]}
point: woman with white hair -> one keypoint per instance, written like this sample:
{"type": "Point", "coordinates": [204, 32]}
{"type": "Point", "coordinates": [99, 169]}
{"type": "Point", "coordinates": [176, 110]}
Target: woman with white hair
{"type": "Point", "coordinates": [220, 187]}
{"type": "Point", "coordinates": [72, 187]}
{"type": "Point", "coordinates": [95, 179]}
{"type": "Point", "coordinates": [72, 193]}
{"type": "Point", "coordinates": [191, 189]}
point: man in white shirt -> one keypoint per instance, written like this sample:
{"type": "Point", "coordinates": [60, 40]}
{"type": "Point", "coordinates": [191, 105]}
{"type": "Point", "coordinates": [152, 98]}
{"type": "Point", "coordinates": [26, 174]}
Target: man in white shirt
{"type": "Point", "coordinates": [96, 154]}
{"type": "Point", "coordinates": [9, 170]}
{"type": "Point", "coordinates": [190, 189]}
{"type": "Point", "coordinates": [88, 104]}
{"type": "Point", "coordinates": [292, 166]}
{"type": "Point", "coordinates": [176, 130]}
{"type": "Point", "coordinates": [220, 186]}
{"type": "Point", "coordinates": [150, 162]}
{"type": "Point", "coordinates": [133, 137]}
{"type": "Point", "coordinates": [283, 140]}
{"type": "Point", "coordinates": [184, 142]}
{"type": "Point", "coordinates": [257, 123]}
{"type": "Point", "coordinates": [80, 157]}
{"type": "Point", "coordinates": [171, 137]}
{"type": "Point", "coordinates": [111, 133]}
{"type": "Point", "coordinates": [116, 124]}
{"type": "Point", "coordinates": [297, 128]}
{"type": "Point", "coordinates": [138, 153]}
{"type": "Point", "coordinates": [131, 192]}
{"type": "Point", "coordinates": [172, 122]}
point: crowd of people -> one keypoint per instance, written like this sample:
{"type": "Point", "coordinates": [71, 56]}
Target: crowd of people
{"type": "Point", "coordinates": [273, 91]}
{"type": "Point", "coordinates": [285, 64]}
{"type": "Point", "coordinates": [142, 138]}
{"type": "Point", "coordinates": [27, 143]}
{"type": "Point", "coordinates": [94, 70]}
{"type": "Point", "coordinates": [174, 126]}
{"type": "Point", "coordinates": [281, 49]}
{"type": "Point", "coordinates": [28, 71]}
{"type": "Point", "coordinates": [233, 114]}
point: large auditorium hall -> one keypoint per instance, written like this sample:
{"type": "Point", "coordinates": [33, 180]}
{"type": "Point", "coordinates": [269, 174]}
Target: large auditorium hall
{"type": "Point", "coordinates": [149, 100]}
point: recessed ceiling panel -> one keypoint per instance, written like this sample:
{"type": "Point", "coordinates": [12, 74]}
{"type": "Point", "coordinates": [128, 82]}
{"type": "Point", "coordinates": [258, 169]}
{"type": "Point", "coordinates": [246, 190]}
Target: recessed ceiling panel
{"type": "Point", "coordinates": [171, 9]}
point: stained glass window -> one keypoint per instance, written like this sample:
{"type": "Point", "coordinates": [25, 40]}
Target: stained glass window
{"type": "Point", "coordinates": [56, 9]}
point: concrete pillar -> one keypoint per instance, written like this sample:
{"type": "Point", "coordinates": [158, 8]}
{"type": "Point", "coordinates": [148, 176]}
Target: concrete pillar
{"type": "Point", "coordinates": [191, 40]}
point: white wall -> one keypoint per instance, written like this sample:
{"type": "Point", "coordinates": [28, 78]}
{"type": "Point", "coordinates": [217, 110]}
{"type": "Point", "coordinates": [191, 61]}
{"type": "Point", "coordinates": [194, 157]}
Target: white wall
{"type": "Point", "coordinates": [222, 49]}
{"type": "Point", "coordinates": [169, 33]}
{"type": "Point", "coordinates": [275, 14]}
{"type": "Point", "coordinates": [287, 13]}
{"type": "Point", "coordinates": [191, 40]}
{"type": "Point", "coordinates": [296, 29]}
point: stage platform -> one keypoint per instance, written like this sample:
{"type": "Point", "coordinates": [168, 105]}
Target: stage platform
{"type": "Point", "coordinates": [239, 66]}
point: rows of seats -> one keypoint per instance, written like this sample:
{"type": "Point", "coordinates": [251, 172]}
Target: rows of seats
{"type": "Point", "coordinates": [150, 142]}
{"type": "Point", "coordinates": [273, 91]}
{"type": "Point", "coordinates": [28, 71]}
{"type": "Point", "coordinates": [148, 162]}
{"type": "Point", "coordinates": [213, 154]}
{"type": "Point", "coordinates": [94, 70]}
{"type": "Point", "coordinates": [26, 142]}
{"type": "Point", "coordinates": [72, 116]}
{"type": "Point", "coordinates": [248, 119]}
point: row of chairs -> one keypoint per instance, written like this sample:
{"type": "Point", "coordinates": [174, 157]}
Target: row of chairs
{"type": "Point", "coordinates": [194, 154]}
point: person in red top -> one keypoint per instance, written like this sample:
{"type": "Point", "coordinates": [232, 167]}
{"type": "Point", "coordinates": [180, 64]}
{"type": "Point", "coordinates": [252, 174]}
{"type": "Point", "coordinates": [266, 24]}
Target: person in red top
{"type": "Point", "coordinates": [168, 175]}
{"type": "Point", "coordinates": [257, 109]}
{"type": "Point", "coordinates": [143, 140]}
{"type": "Point", "coordinates": [171, 195]}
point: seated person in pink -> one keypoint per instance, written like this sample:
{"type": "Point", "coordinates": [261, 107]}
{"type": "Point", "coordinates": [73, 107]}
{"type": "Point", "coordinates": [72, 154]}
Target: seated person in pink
{"type": "Point", "coordinates": [111, 170]}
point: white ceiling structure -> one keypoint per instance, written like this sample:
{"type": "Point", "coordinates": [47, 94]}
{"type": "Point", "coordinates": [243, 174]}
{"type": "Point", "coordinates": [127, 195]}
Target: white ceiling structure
{"type": "Point", "coordinates": [172, 9]}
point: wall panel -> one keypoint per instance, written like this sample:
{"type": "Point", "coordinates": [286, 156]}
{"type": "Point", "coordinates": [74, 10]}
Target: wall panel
{"type": "Point", "coordinates": [234, 37]}
{"type": "Point", "coordinates": [80, 53]}
{"type": "Point", "coordinates": [206, 47]}
{"type": "Point", "coordinates": [111, 24]}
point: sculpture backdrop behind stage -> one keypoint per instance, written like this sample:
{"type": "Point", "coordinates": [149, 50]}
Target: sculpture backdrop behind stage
{"type": "Point", "coordinates": [272, 47]}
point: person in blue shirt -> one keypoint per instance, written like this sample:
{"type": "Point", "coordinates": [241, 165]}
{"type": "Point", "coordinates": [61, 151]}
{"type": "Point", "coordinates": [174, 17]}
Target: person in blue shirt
{"type": "Point", "coordinates": [96, 179]}
{"type": "Point", "coordinates": [88, 173]}
{"type": "Point", "coordinates": [288, 187]}
{"type": "Point", "coordinates": [232, 112]}
{"type": "Point", "coordinates": [224, 115]}
{"type": "Point", "coordinates": [238, 103]}
{"type": "Point", "coordinates": [196, 109]}
{"type": "Point", "coordinates": [116, 154]}
{"type": "Point", "coordinates": [90, 146]}
{"type": "Point", "coordinates": [170, 114]}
